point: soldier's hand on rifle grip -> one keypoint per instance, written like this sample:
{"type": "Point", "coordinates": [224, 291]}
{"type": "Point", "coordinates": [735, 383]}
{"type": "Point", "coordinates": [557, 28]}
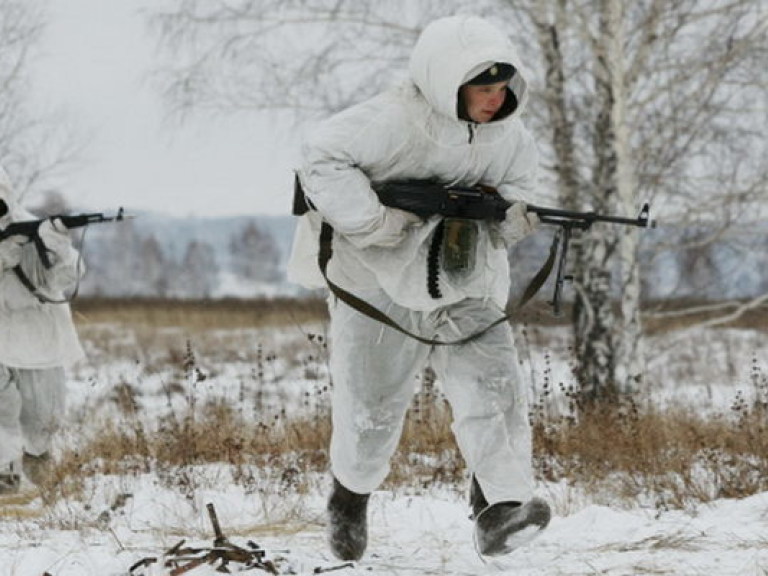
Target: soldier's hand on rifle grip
{"type": "Point", "coordinates": [10, 251]}
{"type": "Point", "coordinates": [55, 237]}
{"type": "Point", "coordinates": [518, 223]}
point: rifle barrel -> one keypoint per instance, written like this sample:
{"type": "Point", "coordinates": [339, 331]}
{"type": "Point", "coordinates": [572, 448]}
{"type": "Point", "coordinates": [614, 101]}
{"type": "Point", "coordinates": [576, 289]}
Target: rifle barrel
{"type": "Point", "coordinates": [586, 219]}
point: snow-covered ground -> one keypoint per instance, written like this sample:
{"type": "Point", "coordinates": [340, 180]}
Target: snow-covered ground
{"type": "Point", "coordinates": [126, 519]}
{"type": "Point", "coordinates": [409, 536]}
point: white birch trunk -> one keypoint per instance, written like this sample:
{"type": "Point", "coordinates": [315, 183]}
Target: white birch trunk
{"type": "Point", "coordinates": [593, 311]}
{"type": "Point", "coordinates": [594, 319]}
{"type": "Point", "coordinates": [550, 19]}
{"type": "Point", "coordinates": [628, 337]}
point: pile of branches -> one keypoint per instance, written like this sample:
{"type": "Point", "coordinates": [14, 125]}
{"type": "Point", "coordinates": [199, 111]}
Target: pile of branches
{"type": "Point", "coordinates": [223, 555]}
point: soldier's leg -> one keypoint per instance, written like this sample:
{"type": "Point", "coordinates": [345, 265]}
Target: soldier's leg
{"type": "Point", "coordinates": [484, 385]}
{"type": "Point", "coordinates": [10, 432]}
{"type": "Point", "coordinates": [10, 410]}
{"type": "Point", "coordinates": [373, 369]}
{"type": "Point", "coordinates": [488, 396]}
{"type": "Point", "coordinates": [43, 395]}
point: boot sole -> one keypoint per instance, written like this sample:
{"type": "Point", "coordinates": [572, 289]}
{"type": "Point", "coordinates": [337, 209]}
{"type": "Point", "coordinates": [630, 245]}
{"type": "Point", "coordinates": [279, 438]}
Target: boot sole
{"type": "Point", "coordinates": [499, 530]}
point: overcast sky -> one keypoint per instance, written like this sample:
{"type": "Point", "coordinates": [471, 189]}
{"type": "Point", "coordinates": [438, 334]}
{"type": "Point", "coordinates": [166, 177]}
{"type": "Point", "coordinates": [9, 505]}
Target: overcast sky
{"type": "Point", "coordinates": [94, 64]}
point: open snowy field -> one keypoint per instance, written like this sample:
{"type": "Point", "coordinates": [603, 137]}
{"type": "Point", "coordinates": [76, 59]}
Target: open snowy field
{"type": "Point", "coordinates": [124, 519]}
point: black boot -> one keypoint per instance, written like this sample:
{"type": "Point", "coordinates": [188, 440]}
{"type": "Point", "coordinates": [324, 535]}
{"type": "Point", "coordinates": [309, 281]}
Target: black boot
{"type": "Point", "coordinates": [347, 522]}
{"type": "Point", "coordinates": [10, 481]}
{"type": "Point", "coordinates": [477, 500]}
{"type": "Point", "coordinates": [504, 526]}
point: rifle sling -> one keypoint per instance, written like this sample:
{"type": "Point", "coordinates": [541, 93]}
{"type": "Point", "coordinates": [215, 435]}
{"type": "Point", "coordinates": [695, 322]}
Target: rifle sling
{"type": "Point", "coordinates": [42, 298]}
{"type": "Point", "coordinates": [27, 283]}
{"type": "Point", "coordinates": [326, 251]}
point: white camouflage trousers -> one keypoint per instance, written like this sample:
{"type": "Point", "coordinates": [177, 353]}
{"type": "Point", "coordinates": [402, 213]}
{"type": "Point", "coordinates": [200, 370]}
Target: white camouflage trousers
{"type": "Point", "coordinates": [374, 368]}
{"type": "Point", "coordinates": [31, 408]}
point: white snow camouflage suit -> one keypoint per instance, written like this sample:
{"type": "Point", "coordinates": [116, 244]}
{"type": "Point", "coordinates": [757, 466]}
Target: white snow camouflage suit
{"type": "Point", "coordinates": [37, 340]}
{"type": "Point", "coordinates": [414, 132]}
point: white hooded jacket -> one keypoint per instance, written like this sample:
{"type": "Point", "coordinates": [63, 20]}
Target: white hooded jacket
{"type": "Point", "coordinates": [414, 132]}
{"type": "Point", "coordinates": [35, 335]}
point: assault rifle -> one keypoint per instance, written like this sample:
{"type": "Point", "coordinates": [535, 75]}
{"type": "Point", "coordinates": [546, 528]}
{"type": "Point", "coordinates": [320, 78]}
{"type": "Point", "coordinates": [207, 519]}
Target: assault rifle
{"type": "Point", "coordinates": [29, 228]}
{"type": "Point", "coordinates": [427, 198]}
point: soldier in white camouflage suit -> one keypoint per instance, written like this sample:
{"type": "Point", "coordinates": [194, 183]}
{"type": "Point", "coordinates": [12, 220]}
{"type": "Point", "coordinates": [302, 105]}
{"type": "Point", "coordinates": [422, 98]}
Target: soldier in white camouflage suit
{"type": "Point", "coordinates": [457, 121]}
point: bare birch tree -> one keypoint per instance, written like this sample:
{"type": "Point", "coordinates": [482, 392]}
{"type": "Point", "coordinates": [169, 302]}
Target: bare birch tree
{"type": "Point", "coordinates": [609, 349]}
{"type": "Point", "coordinates": [649, 100]}
{"type": "Point", "coordinates": [664, 78]}
{"type": "Point", "coordinates": [32, 145]}
{"type": "Point", "coordinates": [293, 55]}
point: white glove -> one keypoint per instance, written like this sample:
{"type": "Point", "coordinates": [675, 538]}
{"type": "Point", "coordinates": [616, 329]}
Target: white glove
{"type": "Point", "coordinates": [10, 251]}
{"type": "Point", "coordinates": [518, 223]}
{"type": "Point", "coordinates": [390, 231]}
{"type": "Point", "coordinates": [56, 239]}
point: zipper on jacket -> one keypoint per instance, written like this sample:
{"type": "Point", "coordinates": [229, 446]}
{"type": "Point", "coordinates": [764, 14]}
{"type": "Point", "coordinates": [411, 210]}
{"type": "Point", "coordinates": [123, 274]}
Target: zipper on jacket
{"type": "Point", "coordinates": [471, 128]}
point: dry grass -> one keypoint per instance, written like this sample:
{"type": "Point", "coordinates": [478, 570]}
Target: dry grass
{"type": "Point", "coordinates": [231, 313]}
{"type": "Point", "coordinates": [671, 458]}
{"type": "Point", "coordinates": [674, 458]}
{"type": "Point", "coordinates": [214, 434]}
{"type": "Point", "coordinates": [289, 448]}
{"type": "Point", "coordinates": [198, 315]}
{"type": "Point", "coordinates": [153, 332]}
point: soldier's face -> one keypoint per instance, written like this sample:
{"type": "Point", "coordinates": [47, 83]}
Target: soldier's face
{"type": "Point", "coordinates": [484, 101]}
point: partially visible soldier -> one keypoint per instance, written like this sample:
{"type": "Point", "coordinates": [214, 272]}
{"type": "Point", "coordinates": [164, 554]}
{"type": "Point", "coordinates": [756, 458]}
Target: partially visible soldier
{"type": "Point", "coordinates": [37, 341]}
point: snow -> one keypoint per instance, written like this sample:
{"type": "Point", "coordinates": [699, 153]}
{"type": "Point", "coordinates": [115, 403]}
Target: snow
{"type": "Point", "coordinates": [413, 531]}
{"type": "Point", "coordinates": [409, 535]}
